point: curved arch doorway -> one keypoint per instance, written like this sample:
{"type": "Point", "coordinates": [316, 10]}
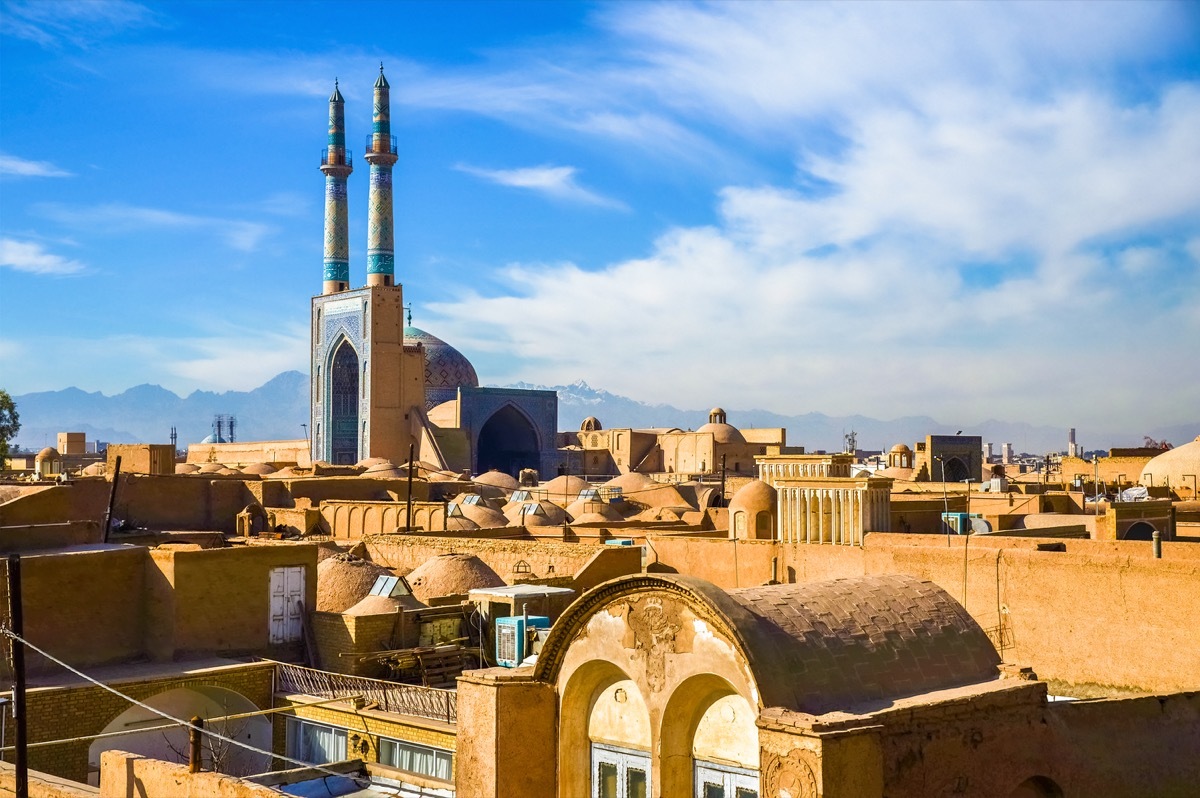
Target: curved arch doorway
{"type": "Point", "coordinates": [1140, 531]}
{"type": "Point", "coordinates": [343, 406]}
{"type": "Point", "coordinates": [507, 442]}
{"type": "Point", "coordinates": [172, 744]}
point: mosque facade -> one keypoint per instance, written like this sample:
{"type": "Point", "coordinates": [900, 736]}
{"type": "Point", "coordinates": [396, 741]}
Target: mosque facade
{"type": "Point", "coordinates": [381, 387]}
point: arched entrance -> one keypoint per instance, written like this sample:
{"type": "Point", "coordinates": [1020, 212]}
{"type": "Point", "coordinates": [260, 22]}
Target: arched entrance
{"type": "Point", "coordinates": [343, 406]}
{"type": "Point", "coordinates": [172, 744]}
{"type": "Point", "coordinates": [956, 470]}
{"type": "Point", "coordinates": [507, 442]}
{"type": "Point", "coordinates": [1140, 531]}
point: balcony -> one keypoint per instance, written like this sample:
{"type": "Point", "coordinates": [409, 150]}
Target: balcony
{"type": "Point", "coordinates": [374, 145]}
{"type": "Point", "coordinates": [344, 158]}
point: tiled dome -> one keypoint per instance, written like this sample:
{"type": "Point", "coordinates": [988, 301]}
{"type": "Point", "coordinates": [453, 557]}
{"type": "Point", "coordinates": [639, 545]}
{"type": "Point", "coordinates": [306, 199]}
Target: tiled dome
{"type": "Point", "coordinates": [446, 369]}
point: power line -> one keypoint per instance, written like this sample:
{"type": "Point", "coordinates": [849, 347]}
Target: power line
{"type": "Point", "coordinates": [187, 724]}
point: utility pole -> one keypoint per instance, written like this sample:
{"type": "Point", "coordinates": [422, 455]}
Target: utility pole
{"type": "Point", "coordinates": [408, 509]}
{"type": "Point", "coordinates": [112, 498]}
{"type": "Point", "coordinates": [17, 619]}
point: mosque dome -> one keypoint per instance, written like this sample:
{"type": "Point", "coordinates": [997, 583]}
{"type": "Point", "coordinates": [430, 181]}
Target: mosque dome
{"type": "Point", "coordinates": [1175, 467]}
{"type": "Point", "coordinates": [723, 433]}
{"type": "Point", "coordinates": [214, 438]}
{"type": "Point", "coordinates": [446, 369]}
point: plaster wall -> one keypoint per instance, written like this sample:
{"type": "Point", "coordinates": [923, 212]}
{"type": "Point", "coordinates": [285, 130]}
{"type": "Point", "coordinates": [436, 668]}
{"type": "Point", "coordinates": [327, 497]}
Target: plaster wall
{"type": "Point", "coordinates": [218, 600]}
{"type": "Point", "coordinates": [85, 607]}
{"type": "Point", "coordinates": [126, 775]}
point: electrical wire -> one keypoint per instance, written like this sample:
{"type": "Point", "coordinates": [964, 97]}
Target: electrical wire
{"type": "Point", "coordinates": [359, 780]}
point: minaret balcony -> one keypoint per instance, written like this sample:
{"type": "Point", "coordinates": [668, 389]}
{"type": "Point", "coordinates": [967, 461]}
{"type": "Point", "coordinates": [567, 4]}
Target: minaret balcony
{"type": "Point", "coordinates": [343, 158]}
{"type": "Point", "coordinates": [380, 145]}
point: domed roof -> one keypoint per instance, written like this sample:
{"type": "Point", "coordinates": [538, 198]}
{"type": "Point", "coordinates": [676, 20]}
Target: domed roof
{"type": "Point", "coordinates": [632, 481]}
{"type": "Point", "coordinates": [343, 580]}
{"type": "Point", "coordinates": [259, 468]}
{"type": "Point", "coordinates": [1176, 467]}
{"type": "Point", "coordinates": [838, 656]}
{"type": "Point", "coordinates": [446, 369]}
{"type": "Point", "coordinates": [367, 462]}
{"type": "Point", "coordinates": [567, 485]}
{"type": "Point", "coordinates": [186, 468]}
{"type": "Point", "coordinates": [210, 468]}
{"type": "Point", "coordinates": [900, 448]}
{"type": "Point", "coordinates": [49, 453]}
{"type": "Point", "coordinates": [590, 424]}
{"type": "Point", "coordinates": [451, 575]}
{"type": "Point", "coordinates": [497, 479]}
{"type": "Point", "coordinates": [94, 470]}
{"type": "Point", "coordinates": [723, 433]}
{"type": "Point", "coordinates": [484, 517]}
{"type": "Point", "coordinates": [582, 508]}
{"type": "Point", "coordinates": [214, 438]}
{"type": "Point", "coordinates": [754, 496]}
{"type": "Point", "coordinates": [540, 513]}
{"type": "Point", "coordinates": [384, 605]}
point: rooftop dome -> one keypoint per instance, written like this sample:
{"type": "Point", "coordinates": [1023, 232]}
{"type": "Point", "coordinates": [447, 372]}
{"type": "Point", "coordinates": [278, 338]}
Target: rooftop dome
{"type": "Point", "coordinates": [214, 438]}
{"type": "Point", "coordinates": [259, 468]}
{"type": "Point", "coordinates": [566, 485]}
{"type": "Point", "coordinates": [484, 516]}
{"type": "Point", "coordinates": [723, 433]}
{"type": "Point", "coordinates": [590, 424]}
{"type": "Point", "coordinates": [49, 453]}
{"type": "Point", "coordinates": [531, 513]}
{"type": "Point", "coordinates": [900, 448]}
{"type": "Point", "coordinates": [451, 575]}
{"type": "Point", "coordinates": [755, 496]}
{"type": "Point", "coordinates": [210, 468]}
{"type": "Point", "coordinates": [814, 647]}
{"type": "Point", "coordinates": [1175, 467]}
{"type": "Point", "coordinates": [186, 468]}
{"type": "Point", "coordinates": [581, 508]}
{"type": "Point", "coordinates": [94, 470]}
{"type": "Point", "coordinates": [343, 580]}
{"type": "Point", "coordinates": [446, 369]}
{"type": "Point", "coordinates": [497, 479]}
{"type": "Point", "coordinates": [367, 462]}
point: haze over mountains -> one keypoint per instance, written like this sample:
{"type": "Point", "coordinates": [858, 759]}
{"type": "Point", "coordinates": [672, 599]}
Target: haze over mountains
{"type": "Point", "coordinates": [279, 408]}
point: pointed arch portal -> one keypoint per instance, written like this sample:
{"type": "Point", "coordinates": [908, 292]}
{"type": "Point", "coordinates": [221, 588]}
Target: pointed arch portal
{"type": "Point", "coordinates": [343, 403]}
{"type": "Point", "coordinates": [507, 442]}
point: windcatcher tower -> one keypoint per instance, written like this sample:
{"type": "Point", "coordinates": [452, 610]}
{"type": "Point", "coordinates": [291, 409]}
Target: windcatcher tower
{"type": "Point", "coordinates": [337, 166]}
{"type": "Point", "coordinates": [381, 154]}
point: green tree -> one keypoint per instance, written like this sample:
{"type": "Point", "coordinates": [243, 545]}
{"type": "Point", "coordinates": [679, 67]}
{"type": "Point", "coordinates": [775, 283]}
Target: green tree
{"type": "Point", "coordinates": [10, 424]}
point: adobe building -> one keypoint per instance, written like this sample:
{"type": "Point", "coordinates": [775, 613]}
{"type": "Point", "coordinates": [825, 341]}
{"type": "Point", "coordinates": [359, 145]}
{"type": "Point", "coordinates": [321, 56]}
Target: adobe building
{"type": "Point", "coordinates": [595, 451]}
{"type": "Point", "coordinates": [949, 458]}
{"type": "Point", "coordinates": [851, 688]}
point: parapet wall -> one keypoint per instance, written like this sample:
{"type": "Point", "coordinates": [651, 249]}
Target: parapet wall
{"type": "Point", "coordinates": [588, 565]}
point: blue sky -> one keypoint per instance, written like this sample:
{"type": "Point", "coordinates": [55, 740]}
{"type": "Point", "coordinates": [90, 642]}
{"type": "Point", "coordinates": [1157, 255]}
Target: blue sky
{"type": "Point", "coordinates": [969, 211]}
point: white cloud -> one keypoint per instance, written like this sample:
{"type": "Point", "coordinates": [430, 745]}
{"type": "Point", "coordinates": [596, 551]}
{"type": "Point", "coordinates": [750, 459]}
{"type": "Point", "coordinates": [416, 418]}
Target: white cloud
{"type": "Point", "coordinates": [556, 182]}
{"type": "Point", "coordinates": [119, 217]}
{"type": "Point", "coordinates": [22, 167]}
{"type": "Point", "coordinates": [76, 22]}
{"type": "Point", "coordinates": [31, 257]}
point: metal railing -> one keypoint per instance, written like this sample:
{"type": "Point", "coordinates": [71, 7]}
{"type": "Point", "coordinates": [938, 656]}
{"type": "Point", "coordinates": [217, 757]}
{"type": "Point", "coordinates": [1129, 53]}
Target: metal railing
{"type": "Point", "coordinates": [374, 145]}
{"type": "Point", "coordinates": [404, 699]}
{"type": "Point", "coordinates": [332, 159]}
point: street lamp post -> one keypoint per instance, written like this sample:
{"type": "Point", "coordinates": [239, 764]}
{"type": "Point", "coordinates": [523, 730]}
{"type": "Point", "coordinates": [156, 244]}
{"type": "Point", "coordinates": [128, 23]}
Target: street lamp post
{"type": "Point", "coordinates": [945, 498]}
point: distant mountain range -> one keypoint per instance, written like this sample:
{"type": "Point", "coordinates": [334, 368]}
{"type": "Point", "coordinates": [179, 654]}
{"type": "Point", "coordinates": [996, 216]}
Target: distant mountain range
{"type": "Point", "coordinates": [277, 410]}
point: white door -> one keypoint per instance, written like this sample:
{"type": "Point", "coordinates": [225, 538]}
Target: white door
{"type": "Point", "coordinates": [721, 781]}
{"type": "Point", "coordinates": [619, 772]}
{"type": "Point", "coordinates": [287, 603]}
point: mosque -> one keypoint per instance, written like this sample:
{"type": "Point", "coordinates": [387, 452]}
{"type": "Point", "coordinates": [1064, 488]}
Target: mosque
{"type": "Point", "coordinates": [381, 387]}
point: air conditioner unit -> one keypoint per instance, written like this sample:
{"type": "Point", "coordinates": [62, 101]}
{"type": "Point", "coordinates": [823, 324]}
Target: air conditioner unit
{"type": "Point", "coordinates": [958, 523]}
{"type": "Point", "coordinates": [619, 542]}
{"type": "Point", "coordinates": [512, 637]}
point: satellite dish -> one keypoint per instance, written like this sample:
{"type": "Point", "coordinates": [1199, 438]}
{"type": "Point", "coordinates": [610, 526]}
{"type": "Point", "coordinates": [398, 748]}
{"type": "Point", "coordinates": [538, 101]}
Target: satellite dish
{"type": "Point", "coordinates": [980, 527]}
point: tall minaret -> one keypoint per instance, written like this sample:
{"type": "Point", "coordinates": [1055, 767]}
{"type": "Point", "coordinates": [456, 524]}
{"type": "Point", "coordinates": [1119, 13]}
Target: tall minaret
{"type": "Point", "coordinates": [335, 163]}
{"type": "Point", "coordinates": [381, 154]}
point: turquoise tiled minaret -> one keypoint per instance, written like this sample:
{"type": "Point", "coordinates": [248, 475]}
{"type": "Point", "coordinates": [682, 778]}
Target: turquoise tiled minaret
{"type": "Point", "coordinates": [336, 164]}
{"type": "Point", "coordinates": [381, 154]}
